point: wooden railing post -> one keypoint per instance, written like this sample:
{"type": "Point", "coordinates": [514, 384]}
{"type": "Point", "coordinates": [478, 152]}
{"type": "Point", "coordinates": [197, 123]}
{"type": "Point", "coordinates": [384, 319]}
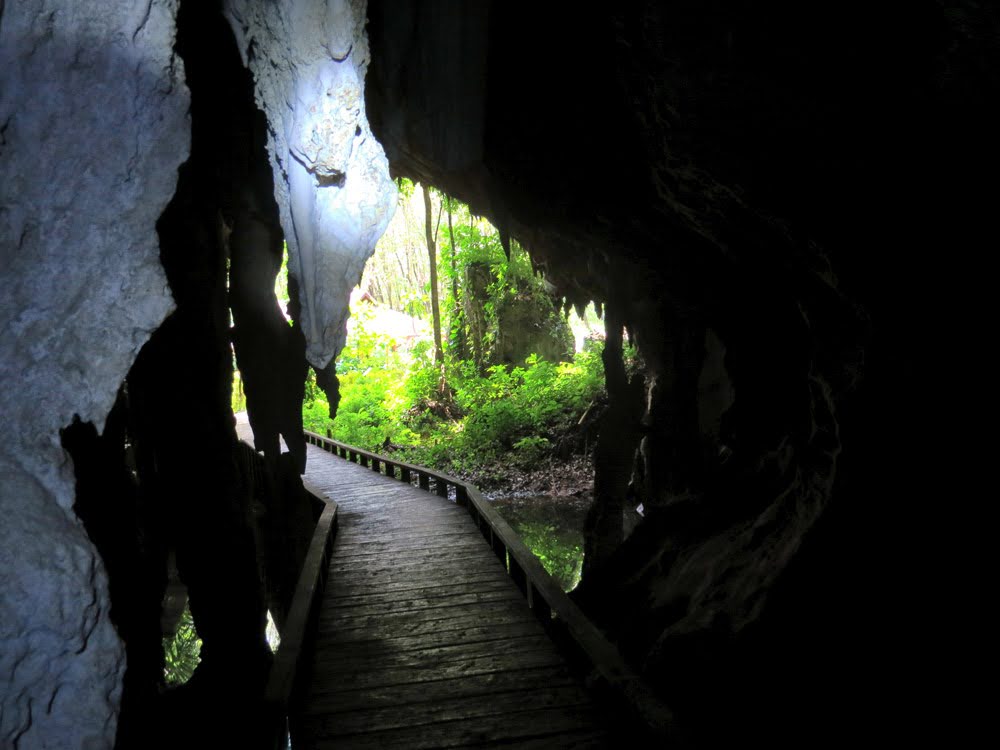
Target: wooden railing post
{"type": "Point", "coordinates": [499, 548]}
{"type": "Point", "coordinates": [518, 576]}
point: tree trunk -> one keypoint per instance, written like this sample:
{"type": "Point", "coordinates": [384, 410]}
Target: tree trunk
{"type": "Point", "coordinates": [432, 256]}
{"type": "Point", "coordinates": [457, 325]}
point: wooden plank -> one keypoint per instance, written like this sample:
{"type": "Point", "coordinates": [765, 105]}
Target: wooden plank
{"type": "Point", "coordinates": [439, 692]}
{"type": "Point", "coordinates": [381, 565]}
{"type": "Point", "coordinates": [441, 544]}
{"type": "Point", "coordinates": [398, 519]}
{"type": "Point", "coordinates": [547, 657]}
{"type": "Point", "coordinates": [420, 604]}
{"type": "Point", "coordinates": [398, 523]}
{"type": "Point", "coordinates": [520, 725]}
{"type": "Point", "coordinates": [357, 535]}
{"type": "Point", "coordinates": [437, 609]}
{"type": "Point", "coordinates": [460, 708]}
{"type": "Point", "coordinates": [416, 570]}
{"type": "Point", "coordinates": [403, 583]}
{"type": "Point", "coordinates": [472, 546]}
{"type": "Point", "coordinates": [360, 541]}
{"type": "Point", "coordinates": [464, 635]}
{"type": "Point", "coordinates": [338, 598]}
{"type": "Point", "coordinates": [361, 554]}
{"type": "Point", "coordinates": [430, 614]}
{"type": "Point", "coordinates": [433, 655]}
{"type": "Point", "coordinates": [373, 629]}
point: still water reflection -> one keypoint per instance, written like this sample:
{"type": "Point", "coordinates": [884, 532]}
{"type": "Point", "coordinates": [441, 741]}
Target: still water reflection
{"type": "Point", "coordinates": [552, 528]}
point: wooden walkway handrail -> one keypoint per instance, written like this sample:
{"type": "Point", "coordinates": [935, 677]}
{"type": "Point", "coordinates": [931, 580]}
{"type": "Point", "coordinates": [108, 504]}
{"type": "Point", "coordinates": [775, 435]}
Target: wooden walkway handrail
{"type": "Point", "coordinates": [544, 595]}
{"type": "Point", "coordinates": [301, 618]}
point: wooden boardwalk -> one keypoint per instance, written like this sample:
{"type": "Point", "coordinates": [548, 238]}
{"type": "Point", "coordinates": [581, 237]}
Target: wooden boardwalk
{"type": "Point", "coordinates": [423, 639]}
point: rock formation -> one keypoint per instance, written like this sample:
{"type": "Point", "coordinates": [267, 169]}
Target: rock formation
{"type": "Point", "coordinates": [93, 112]}
{"type": "Point", "coordinates": [746, 190]}
{"type": "Point", "coordinates": [93, 116]}
{"type": "Point", "coordinates": [740, 187]}
{"type": "Point", "coordinates": [333, 189]}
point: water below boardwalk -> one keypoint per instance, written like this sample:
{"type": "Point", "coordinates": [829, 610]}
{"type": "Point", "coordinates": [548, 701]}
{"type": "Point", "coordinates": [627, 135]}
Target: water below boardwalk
{"type": "Point", "coordinates": [552, 528]}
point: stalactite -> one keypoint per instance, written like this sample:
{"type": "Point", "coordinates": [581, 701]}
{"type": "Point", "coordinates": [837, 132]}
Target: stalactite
{"type": "Point", "coordinates": [613, 456]}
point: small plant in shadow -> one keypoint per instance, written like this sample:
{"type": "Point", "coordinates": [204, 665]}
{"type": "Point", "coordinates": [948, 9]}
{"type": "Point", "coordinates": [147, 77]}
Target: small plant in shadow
{"type": "Point", "coordinates": [182, 652]}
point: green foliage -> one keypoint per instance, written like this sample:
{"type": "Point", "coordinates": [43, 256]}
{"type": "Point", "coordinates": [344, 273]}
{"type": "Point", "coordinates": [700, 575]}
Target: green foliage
{"type": "Point", "coordinates": [559, 549]}
{"type": "Point", "coordinates": [365, 417]}
{"type": "Point", "coordinates": [530, 450]}
{"type": "Point", "coordinates": [181, 654]}
{"type": "Point", "coordinates": [463, 413]}
{"type": "Point", "coordinates": [316, 415]}
{"type": "Point", "coordinates": [237, 397]}
{"type": "Point", "coordinates": [526, 403]}
{"type": "Point", "coordinates": [516, 411]}
{"type": "Point", "coordinates": [497, 304]}
{"type": "Point", "coordinates": [405, 187]}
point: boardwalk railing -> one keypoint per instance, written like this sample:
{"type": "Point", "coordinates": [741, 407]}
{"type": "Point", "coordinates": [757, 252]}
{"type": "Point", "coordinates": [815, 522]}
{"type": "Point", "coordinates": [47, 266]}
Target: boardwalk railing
{"type": "Point", "coordinates": [544, 595]}
{"type": "Point", "coordinates": [303, 610]}
{"type": "Point", "coordinates": [300, 625]}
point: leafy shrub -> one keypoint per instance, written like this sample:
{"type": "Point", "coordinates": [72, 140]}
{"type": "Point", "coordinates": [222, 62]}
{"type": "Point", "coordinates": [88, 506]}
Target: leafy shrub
{"type": "Point", "coordinates": [559, 550]}
{"type": "Point", "coordinates": [531, 450]}
{"type": "Point", "coordinates": [182, 653]}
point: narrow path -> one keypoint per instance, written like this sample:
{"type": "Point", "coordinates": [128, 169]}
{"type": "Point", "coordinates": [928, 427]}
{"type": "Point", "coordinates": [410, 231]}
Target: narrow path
{"type": "Point", "coordinates": [423, 640]}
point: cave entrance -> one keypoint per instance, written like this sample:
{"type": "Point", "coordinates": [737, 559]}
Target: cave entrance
{"type": "Point", "coordinates": [491, 376]}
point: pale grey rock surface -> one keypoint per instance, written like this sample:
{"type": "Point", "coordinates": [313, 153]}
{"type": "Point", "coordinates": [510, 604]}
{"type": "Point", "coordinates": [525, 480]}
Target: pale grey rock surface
{"type": "Point", "coordinates": [332, 180]}
{"type": "Point", "coordinates": [93, 126]}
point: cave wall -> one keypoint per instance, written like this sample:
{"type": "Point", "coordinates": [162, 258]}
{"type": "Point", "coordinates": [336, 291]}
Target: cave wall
{"type": "Point", "coordinates": [742, 187]}
{"type": "Point", "coordinates": [745, 188]}
{"type": "Point", "coordinates": [93, 116]}
{"type": "Point", "coordinates": [94, 127]}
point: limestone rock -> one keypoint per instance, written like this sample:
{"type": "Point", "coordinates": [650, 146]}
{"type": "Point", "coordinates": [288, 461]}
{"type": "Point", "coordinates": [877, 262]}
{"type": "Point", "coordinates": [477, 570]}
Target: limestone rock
{"type": "Point", "coordinates": [332, 180]}
{"type": "Point", "coordinates": [92, 129]}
